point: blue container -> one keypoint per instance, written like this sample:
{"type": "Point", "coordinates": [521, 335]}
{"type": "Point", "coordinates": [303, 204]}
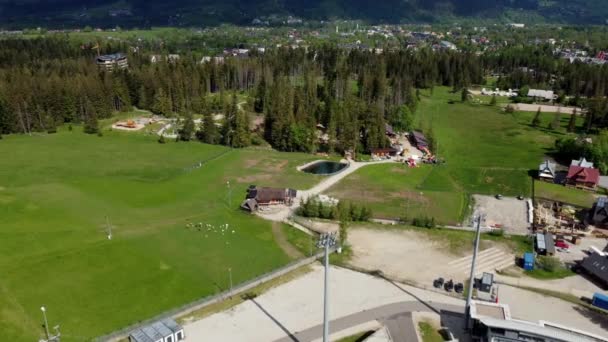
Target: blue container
{"type": "Point", "coordinates": [528, 261]}
{"type": "Point", "coordinates": [600, 300]}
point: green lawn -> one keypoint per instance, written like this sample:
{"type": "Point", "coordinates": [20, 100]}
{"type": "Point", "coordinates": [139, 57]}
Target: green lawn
{"type": "Point", "coordinates": [429, 333]}
{"type": "Point", "coordinates": [486, 151]}
{"type": "Point", "coordinates": [55, 193]}
{"type": "Point", "coordinates": [560, 273]}
{"type": "Point", "coordinates": [564, 194]}
{"type": "Point", "coordinates": [407, 192]}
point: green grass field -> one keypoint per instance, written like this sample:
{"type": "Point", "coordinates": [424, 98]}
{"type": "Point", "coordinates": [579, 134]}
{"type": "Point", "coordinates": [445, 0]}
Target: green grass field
{"type": "Point", "coordinates": [486, 151]}
{"type": "Point", "coordinates": [407, 192]}
{"type": "Point", "coordinates": [564, 194]}
{"type": "Point", "coordinates": [55, 193]}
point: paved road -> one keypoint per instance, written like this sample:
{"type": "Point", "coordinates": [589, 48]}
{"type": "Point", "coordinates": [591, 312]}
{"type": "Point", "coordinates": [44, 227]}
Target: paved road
{"type": "Point", "coordinates": [396, 316]}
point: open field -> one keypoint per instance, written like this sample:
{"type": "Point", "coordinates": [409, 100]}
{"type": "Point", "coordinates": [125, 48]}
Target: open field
{"type": "Point", "coordinates": [407, 192]}
{"type": "Point", "coordinates": [56, 191]}
{"type": "Point", "coordinates": [486, 152]}
{"type": "Point", "coordinates": [564, 194]}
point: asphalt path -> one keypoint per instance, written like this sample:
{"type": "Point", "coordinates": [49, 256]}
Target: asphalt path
{"type": "Point", "coordinates": [396, 316]}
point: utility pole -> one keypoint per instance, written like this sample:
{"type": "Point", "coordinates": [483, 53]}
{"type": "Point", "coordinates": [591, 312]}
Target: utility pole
{"type": "Point", "coordinates": [108, 227]}
{"type": "Point", "coordinates": [229, 194]}
{"type": "Point", "coordinates": [472, 276]}
{"type": "Point", "coordinates": [49, 337]}
{"type": "Point", "coordinates": [326, 241]}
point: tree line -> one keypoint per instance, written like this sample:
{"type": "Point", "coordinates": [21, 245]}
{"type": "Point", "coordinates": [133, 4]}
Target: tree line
{"type": "Point", "coordinates": [349, 96]}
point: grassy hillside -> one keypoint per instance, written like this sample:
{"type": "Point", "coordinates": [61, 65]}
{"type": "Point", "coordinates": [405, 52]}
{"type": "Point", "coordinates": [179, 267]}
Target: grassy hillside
{"type": "Point", "coordinates": [486, 151]}
{"type": "Point", "coordinates": [212, 12]}
{"type": "Point", "coordinates": [55, 193]}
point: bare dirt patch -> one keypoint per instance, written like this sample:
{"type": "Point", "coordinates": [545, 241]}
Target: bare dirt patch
{"type": "Point", "coordinates": [249, 163]}
{"type": "Point", "coordinates": [415, 256]}
{"type": "Point", "coordinates": [403, 254]}
{"type": "Point", "coordinates": [254, 178]}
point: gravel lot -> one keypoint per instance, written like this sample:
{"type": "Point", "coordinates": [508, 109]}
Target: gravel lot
{"type": "Point", "coordinates": [413, 257]}
{"type": "Point", "coordinates": [546, 108]}
{"type": "Point", "coordinates": [510, 213]}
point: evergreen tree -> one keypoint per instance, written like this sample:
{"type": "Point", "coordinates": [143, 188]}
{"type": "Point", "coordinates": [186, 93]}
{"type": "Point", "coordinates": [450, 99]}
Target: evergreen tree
{"type": "Point", "coordinates": [186, 132]}
{"type": "Point", "coordinates": [208, 133]}
{"type": "Point", "coordinates": [162, 103]}
{"type": "Point", "coordinates": [555, 123]}
{"type": "Point", "coordinates": [91, 125]}
{"type": "Point", "coordinates": [493, 101]}
{"type": "Point", "coordinates": [572, 122]}
{"type": "Point", "coordinates": [464, 96]}
{"type": "Point", "coordinates": [161, 139]}
{"type": "Point", "coordinates": [536, 119]}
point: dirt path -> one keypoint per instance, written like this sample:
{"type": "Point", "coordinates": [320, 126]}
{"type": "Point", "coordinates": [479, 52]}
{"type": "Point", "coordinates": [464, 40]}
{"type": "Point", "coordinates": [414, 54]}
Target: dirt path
{"type": "Point", "coordinates": [281, 240]}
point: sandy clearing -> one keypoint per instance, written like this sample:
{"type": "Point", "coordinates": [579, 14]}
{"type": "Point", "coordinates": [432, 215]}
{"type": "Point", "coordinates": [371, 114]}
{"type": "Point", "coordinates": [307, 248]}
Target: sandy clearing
{"type": "Point", "coordinates": [402, 254]}
{"type": "Point", "coordinates": [525, 107]}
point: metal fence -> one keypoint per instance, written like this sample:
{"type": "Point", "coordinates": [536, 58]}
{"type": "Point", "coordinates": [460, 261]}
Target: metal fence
{"type": "Point", "coordinates": [206, 301]}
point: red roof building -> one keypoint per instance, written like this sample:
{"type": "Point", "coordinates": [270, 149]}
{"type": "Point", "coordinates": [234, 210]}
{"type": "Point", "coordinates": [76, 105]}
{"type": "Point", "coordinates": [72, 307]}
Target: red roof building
{"type": "Point", "coordinates": [585, 177]}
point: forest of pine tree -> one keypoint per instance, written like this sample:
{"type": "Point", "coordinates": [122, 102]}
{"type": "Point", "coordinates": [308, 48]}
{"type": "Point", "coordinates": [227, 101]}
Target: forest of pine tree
{"type": "Point", "coordinates": [47, 82]}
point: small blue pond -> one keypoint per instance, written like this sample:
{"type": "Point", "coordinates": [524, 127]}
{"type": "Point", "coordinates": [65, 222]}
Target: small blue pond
{"type": "Point", "coordinates": [325, 168]}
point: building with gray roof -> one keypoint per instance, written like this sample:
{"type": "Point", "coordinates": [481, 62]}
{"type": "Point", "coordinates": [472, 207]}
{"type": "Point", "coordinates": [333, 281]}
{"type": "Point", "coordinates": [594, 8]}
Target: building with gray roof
{"type": "Point", "coordinates": [166, 330]}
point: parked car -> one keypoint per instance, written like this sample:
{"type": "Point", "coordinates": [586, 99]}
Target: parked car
{"type": "Point", "coordinates": [459, 288]}
{"type": "Point", "coordinates": [449, 286]}
{"type": "Point", "coordinates": [561, 244]}
{"type": "Point", "coordinates": [447, 335]}
{"type": "Point", "coordinates": [438, 283]}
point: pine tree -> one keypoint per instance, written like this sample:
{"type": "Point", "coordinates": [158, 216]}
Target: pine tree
{"type": "Point", "coordinates": [464, 96]}
{"type": "Point", "coordinates": [555, 123]}
{"type": "Point", "coordinates": [209, 133]}
{"type": "Point", "coordinates": [186, 132]}
{"type": "Point", "coordinates": [536, 119]}
{"type": "Point", "coordinates": [162, 103]}
{"type": "Point", "coordinates": [572, 122]}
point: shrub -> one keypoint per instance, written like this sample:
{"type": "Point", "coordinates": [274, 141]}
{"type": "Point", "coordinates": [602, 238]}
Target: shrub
{"type": "Point", "coordinates": [497, 232]}
{"type": "Point", "coordinates": [548, 263]}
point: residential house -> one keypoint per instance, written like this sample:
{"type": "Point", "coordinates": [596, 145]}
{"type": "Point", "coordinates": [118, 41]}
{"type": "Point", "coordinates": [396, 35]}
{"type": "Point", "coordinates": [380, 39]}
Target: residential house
{"type": "Point", "coordinates": [583, 177]}
{"type": "Point", "coordinates": [581, 162]}
{"type": "Point", "coordinates": [111, 62]}
{"type": "Point", "coordinates": [599, 214]}
{"type": "Point", "coordinates": [265, 196]}
{"type": "Point", "coordinates": [546, 171]}
{"type": "Point", "coordinates": [419, 140]}
{"type": "Point", "coordinates": [388, 129]}
{"type": "Point", "coordinates": [383, 152]}
{"type": "Point", "coordinates": [596, 265]}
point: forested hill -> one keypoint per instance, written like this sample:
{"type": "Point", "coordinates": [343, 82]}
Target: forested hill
{"type": "Point", "coordinates": [141, 13]}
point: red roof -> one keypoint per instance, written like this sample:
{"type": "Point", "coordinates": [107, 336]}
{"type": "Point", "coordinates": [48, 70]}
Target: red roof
{"type": "Point", "coordinates": [583, 174]}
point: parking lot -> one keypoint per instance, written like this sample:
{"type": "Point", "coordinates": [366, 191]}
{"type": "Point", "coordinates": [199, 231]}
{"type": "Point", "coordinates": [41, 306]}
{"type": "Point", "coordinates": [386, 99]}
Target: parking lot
{"type": "Point", "coordinates": [510, 214]}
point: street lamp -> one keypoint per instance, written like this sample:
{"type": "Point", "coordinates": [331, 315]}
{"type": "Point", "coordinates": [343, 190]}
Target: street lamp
{"type": "Point", "coordinates": [326, 241]}
{"type": "Point", "coordinates": [49, 337]}
{"type": "Point", "coordinates": [46, 323]}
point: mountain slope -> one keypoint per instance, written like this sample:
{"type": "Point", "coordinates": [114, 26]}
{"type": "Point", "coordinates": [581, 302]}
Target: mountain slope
{"type": "Point", "coordinates": [210, 12]}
